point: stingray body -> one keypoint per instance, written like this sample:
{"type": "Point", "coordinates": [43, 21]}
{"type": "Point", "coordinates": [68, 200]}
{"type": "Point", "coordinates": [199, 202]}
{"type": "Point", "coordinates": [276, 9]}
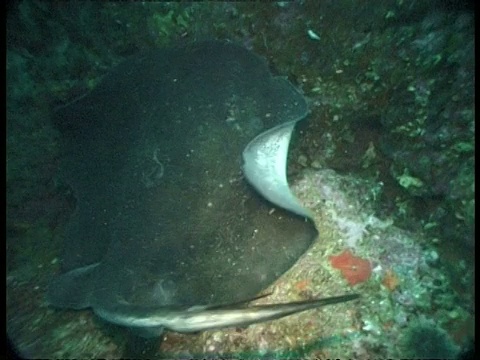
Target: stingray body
{"type": "Point", "coordinates": [164, 216]}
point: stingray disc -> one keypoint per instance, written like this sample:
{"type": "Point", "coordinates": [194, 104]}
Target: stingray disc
{"type": "Point", "coordinates": [154, 157]}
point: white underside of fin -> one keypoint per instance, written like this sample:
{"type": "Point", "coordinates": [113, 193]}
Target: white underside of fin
{"type": "Point", "coordinates": [265, 167]}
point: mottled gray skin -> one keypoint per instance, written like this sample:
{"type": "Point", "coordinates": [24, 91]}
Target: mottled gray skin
{"type": "Point", "coordinates": [164, 213]}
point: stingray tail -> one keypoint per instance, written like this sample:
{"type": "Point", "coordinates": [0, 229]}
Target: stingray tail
{"type": "Point", "coordinates": [216, 318]}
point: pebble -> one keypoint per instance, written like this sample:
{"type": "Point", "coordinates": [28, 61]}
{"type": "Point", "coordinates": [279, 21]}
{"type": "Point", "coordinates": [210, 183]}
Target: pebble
{"type": "Point", "coordinates": [302, 160]}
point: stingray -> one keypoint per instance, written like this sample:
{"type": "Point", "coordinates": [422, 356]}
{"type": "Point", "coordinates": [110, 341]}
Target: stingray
{"type": "Point", "coordinates": [177, 160]}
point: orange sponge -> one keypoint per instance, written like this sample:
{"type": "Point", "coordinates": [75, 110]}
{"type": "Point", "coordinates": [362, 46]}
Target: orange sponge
{"type": "Point", "coordinates": [354, 269]}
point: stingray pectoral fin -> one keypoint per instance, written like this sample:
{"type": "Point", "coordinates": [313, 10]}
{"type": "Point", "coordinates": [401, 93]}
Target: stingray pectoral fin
{"type": "Point", "coordinates": [73, 289]}
{"type": "Point", "coordinates": [265, 167]}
